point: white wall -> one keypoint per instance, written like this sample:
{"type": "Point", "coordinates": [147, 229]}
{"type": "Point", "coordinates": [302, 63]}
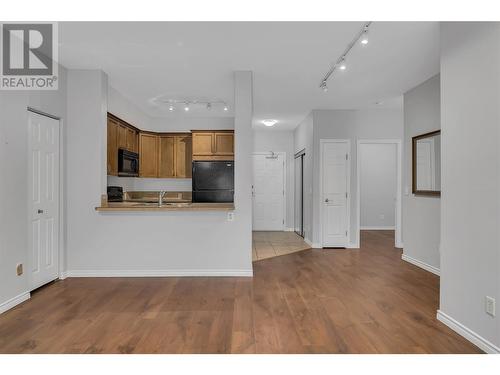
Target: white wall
{"type": "Point", "coordinates": [303, 140]}
{"type": "Point", "coordinates": [378, 163]}
{"type": "Point", "coordinates": [14, 180]}
{"type": "Point", "coordinates": [280, 141]}
{"type": "Point", "coordinates": [421, 214]}
{"type": "Point", "coordinates": [352, 125]}
{"type": "Point", "coordinates": [148, 243]}
{"type": "Point", "coordinates": [470, 204]}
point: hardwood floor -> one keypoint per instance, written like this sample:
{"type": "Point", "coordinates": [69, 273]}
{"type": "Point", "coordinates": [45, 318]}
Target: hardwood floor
{"type": "Point", "coordinates": [314, 301]}
{"type": "Point", "coordinates": [272, 244]}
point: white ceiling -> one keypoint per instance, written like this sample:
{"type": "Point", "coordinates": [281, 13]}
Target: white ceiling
{"type": "Point", "coordinates": [196, 60]}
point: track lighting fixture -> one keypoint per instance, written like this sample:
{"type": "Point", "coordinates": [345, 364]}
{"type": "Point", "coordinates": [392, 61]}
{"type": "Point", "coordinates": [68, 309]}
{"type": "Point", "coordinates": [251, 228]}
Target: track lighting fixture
{"type": "Point", "coordinates": [269, 122]}
{"type": "Point", "coordinates": [362, 37]}
{"type": "Point", "coordinates": [186, 105]}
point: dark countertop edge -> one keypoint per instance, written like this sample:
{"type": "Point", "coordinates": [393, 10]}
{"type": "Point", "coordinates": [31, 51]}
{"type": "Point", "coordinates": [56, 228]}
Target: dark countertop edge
{"type": "Point", "coordinates": [116, 207]}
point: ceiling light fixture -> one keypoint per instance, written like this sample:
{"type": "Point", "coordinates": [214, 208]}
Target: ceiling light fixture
{"type": "Point", "coordinates": [170, 107]}
{"type": "Point", "coordinates": [209, 106]}
{"type": "Point", "coordinates": [269, 122]}
{"type": "Point", "coordinates": [225, 108]}
{"type": "Point", "coordinates": [186, 107]}
{"type": "Point", "coordinates": [362, 36]}
{"type": "Point", "coordinates": [173, 104]}
{"type": "Point", "coordinates": [342, 65]}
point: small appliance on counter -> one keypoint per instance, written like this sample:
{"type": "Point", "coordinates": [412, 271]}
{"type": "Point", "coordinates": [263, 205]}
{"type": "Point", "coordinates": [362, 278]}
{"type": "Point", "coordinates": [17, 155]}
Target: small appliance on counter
{"type": "Point", "coordinates": [213, 181]}
{"type": "Point", "coordinates": [115, 194]}
{"type": "Point", "coordinates": [128, 163]}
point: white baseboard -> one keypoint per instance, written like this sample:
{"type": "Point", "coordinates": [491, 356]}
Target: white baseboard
{"type": "Point", "coordinates": [289, 229]}
{"type": "Point", "coordinates": [421, 264]}
{"type": "Point", "coordinates": [14, 301]}
{"type": "Point", "coordinates": [353, 245]}
{"type": "Point", "coordinates": [160, 273]}
{"type": "Point", "coordinates": [378, 228]}
{"type": "Point", "coordinates": [63, 275]}
{"type": "Point", "coordinates": [399, 245]}
{"type": "Point", "coordinates": [467, 333]}
{"type": "Point", "coordinates": [312, 244]}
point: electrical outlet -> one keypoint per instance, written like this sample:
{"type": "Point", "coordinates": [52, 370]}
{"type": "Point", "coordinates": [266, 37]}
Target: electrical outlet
{"type": "Point", "coordinates": [19, 269]}
{"type": "Point", "coordinates": [381, 216]}
{"type": "Point", "coordinates": [490, 306]}
{"type": "Point", "coordinates": [230, 216]}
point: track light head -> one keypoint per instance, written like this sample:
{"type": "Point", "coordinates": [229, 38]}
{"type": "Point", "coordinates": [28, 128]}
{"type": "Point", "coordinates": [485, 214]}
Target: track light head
{"type": "Point", "coordinates": [342, 64]}
{"type": "Point", "coordinates": [171, 108]}
{"type": "Point", "coordinates": [209, 106]}
{"type": "Point", "coordinates": [323, 86]}
{"type": "Point", "coordinates": [186, 107]}
{"type": "Point", "coordinates": [225, 108]}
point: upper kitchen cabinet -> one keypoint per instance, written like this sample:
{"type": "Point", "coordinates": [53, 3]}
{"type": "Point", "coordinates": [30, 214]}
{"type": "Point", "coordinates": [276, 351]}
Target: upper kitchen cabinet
{"type": "Point", "coordinates": [148, 155]}
{"type": "Point", "coordinates": [213, 144]}
{"type": "Point", "coordinates": [112, 147]}
{"type": "Point", "coordinates": [183, 156]}
{"type": "Point", "coordinates": [120, 135]}
{"type": "Point", "coordinates": [166, 156]}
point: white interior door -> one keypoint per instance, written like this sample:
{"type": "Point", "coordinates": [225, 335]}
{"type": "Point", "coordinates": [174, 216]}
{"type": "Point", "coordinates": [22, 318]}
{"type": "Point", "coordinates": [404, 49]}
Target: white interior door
{"type": "Point", "coordinates": [43, 185]}
{"type": "Point", "coordinates": [335, 169]}
{"type": "Point", "coordinates": [268, 192]}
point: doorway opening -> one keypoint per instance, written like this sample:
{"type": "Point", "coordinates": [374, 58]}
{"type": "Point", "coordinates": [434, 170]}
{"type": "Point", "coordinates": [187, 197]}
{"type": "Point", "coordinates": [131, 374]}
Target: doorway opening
{"type": "Point", "coordinates": [379, 188]}
{"type": "Point", "coordinates": [299, 193]}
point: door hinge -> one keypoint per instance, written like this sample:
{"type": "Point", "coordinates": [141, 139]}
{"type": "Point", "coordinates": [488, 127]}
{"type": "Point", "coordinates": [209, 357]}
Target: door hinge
{"type": "Point", "coordinates": [346, 233]}
{"type": "Point", "coordinates": [346, 157]}
{"type": "Point", "coordinates": [346, 195]}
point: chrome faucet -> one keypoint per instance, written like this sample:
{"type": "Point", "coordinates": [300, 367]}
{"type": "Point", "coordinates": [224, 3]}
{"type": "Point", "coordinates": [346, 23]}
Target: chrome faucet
{"type": "Point", "coordinates": [161, 194]}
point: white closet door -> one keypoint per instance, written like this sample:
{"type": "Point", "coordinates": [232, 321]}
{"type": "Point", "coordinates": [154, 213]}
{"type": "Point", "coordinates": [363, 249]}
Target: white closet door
{"type": "Point", "coordinates": [43, 185]}
{"type": "Point", "coordinates": [268, 192]}
{"type": "Point", "coordinates": [335, 194]}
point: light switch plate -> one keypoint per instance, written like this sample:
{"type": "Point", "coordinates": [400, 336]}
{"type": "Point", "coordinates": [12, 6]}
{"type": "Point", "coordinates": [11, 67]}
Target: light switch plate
{"type": "Point", "coordinates": [19, 269]}
{"type": "Point", "coordinates": [490, 306]}
{"type": "Point", "coordinates": [230, 216]}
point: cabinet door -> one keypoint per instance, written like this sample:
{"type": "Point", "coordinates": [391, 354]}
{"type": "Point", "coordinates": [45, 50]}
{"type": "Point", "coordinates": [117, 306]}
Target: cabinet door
{"type": "Point", "coordinates": [131, 143]}
{"type": "Point", "coordinates": [167, 157]}
{"type": "Point", "coordinates": [148, 155]}
{"type": "Point", "coordinates": [112, 147]}
{"type": "Point", "coordinates": [224, 143]}
{"type": "Point", "coordinates": [203, 144]}
{"type": "Point", "coordinates": [183, 156]}
{"type": "Point", "coordinates": [122, 136]}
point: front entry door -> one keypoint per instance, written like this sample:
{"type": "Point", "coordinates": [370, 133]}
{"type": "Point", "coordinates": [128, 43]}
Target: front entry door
{"type": "Point", "coordinates": [268, 192]}
{"type": "Point", "coordinates": [43, 186]}
{"type": "Point", "coordinates": [335, 194]}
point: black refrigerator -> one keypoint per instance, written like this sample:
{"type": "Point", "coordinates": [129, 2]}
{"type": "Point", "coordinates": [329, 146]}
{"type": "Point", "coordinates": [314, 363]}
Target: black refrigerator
{"type": "Point", "coordinates": [213, 181]}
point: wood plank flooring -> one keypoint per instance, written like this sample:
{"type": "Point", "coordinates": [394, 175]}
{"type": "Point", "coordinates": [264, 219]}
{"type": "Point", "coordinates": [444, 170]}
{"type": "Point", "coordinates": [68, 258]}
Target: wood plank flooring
{"type": "Point", "coordinates": [272, 244]}
{"type": "Point", "coordinates": [313, 301]}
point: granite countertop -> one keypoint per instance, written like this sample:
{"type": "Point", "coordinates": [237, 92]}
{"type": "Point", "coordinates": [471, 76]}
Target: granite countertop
{"type": "Point", "coordinates": [172, 201]}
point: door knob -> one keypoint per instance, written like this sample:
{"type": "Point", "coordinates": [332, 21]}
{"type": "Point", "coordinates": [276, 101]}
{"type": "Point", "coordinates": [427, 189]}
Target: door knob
{"type": "Point", "coordinates": [326, 200]}
{"type": "Point", "coordinates": [40, 211]}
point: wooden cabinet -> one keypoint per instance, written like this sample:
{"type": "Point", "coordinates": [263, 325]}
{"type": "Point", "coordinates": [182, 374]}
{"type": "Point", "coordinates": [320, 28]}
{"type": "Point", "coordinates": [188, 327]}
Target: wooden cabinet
{"type": "Point", "coordinates": [183, 156]}
{"type": "Point", "coordinates": [112, 147]}
{"type": "Point", "coordinates": [213, 145]}
{"type": "Point", "coordinates": [148, 155]}
{"type": "Point", "coordinates": [224, 143]}
{"type": "Point", "coordinates": [120, 135]}
{"type": "Point", "coordinates": [131, 143]}
{"type": "Point", "coordinates": [167, 157]}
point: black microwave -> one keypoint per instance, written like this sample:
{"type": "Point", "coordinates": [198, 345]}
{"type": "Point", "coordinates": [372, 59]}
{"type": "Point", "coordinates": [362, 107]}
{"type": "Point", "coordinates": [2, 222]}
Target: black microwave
{"type": "Point", "coordinates": [128, 163]}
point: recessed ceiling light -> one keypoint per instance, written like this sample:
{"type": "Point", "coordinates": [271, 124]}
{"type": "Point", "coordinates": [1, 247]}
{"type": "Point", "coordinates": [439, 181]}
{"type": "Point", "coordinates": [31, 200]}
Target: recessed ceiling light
{"type": "Point", "coordinates": [186, 107]}
{"type": "Point", "coordinates": [269, 122]}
